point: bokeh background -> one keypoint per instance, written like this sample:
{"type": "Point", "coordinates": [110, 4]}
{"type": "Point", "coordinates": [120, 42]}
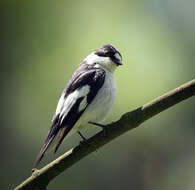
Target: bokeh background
{"type": "Point", "coordinates": [42, 43]}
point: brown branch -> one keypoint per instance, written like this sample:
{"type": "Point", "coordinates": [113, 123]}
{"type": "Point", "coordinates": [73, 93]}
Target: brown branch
{"type": "Point", "coordinates": [41, 178]}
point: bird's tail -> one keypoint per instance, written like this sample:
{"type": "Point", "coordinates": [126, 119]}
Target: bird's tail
{"type": "Point", "coordinates": [42, 151]}
{"type": "Point", "coordinates": [55, 127]}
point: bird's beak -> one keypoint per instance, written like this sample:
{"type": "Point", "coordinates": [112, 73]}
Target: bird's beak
{"type": "Point", "coordinates": [118, 63]}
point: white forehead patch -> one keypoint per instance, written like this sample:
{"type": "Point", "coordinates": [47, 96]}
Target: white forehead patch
{"type": "Point", "coordinates": [117, 56]}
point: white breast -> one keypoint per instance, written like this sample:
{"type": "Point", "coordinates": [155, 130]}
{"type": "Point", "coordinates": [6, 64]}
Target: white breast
{"type": "Point", "coordinates": [102, 103]}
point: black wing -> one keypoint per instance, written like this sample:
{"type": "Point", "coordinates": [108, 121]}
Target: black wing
{"type": "Point", "coordinates": [63, 123]}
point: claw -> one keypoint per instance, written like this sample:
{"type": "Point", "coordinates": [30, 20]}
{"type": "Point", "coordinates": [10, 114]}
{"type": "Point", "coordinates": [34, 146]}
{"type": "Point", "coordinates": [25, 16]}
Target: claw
{"type": "Point", "coordinates": [104, 127]}
{"type": "Point", "coordinates": [84, 141]}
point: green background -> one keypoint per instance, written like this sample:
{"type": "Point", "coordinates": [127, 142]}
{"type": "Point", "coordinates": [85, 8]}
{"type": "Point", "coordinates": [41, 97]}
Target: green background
{"type": "Point", "coordinates": [42, 43]}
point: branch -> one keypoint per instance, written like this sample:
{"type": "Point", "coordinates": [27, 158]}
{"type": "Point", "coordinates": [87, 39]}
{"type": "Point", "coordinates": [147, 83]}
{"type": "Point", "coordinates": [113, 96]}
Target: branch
{"type": "Point", "coordinates": [41, 178]}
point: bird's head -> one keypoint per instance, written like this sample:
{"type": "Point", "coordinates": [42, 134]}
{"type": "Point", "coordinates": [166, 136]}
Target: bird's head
{"type": "Point", "coordinates": [107, 57]}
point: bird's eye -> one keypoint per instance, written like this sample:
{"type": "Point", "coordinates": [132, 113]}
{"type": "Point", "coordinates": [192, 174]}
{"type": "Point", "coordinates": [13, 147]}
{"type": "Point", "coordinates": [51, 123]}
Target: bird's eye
{"type": "Point", "coordinates": [117, 56]}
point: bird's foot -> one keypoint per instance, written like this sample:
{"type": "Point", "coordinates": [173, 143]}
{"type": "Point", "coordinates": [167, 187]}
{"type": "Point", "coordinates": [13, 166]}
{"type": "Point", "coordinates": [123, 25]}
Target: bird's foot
{"type": "Point", "coordinates": [104, 127]}
{"type": "Point", "coordinates": [84, 141]}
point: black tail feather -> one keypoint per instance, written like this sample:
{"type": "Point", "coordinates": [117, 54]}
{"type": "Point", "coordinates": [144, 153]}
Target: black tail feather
{"type": "Point", "coordinates": [43, 150]}
{"type": "Point", "coordinates": [55, 127]}
{"type": "Point", "coordinates": [61, 137]}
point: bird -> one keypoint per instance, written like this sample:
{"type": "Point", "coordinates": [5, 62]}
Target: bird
{"type": "Point", "coordinates": [87, 98]}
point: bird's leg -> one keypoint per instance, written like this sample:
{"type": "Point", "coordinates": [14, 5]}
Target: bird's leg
{"type": "Point", "coordinates": [104, 127]}
{"type": "Point", "coordinates": [84, 141]}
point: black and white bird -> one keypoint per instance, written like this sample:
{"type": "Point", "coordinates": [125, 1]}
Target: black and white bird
{"type": "Point", "coordinates": [88, 96]}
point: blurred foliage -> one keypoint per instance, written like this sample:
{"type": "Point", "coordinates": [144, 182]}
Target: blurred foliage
{"type": "Point", "coordinates": [42, 43]}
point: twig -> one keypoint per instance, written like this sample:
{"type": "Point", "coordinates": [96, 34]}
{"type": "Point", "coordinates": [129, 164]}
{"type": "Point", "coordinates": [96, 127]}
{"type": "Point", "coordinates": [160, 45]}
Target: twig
{"type": "Point", "coordinates": [41, 178]}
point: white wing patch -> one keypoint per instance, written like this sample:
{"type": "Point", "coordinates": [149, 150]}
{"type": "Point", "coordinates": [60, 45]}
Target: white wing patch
{"type": "Point", "coordinates": [83, 104]}
{"type": "Point", "coordinates": [60, 104]}
{"type": "Point", "coordinates": [65, 104]}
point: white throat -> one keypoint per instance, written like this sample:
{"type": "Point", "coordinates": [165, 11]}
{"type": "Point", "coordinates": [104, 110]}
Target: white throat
{"type": "Point", "coordinates": [102, 62]}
